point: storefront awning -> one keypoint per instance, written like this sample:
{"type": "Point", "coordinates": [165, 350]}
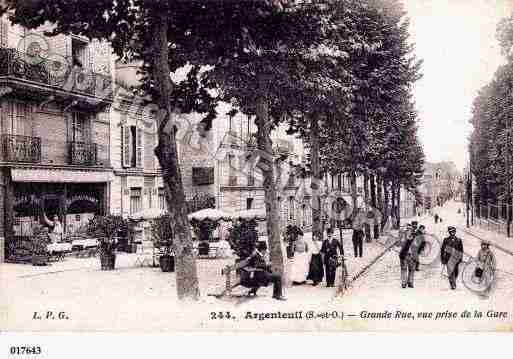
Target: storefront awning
{"type": "Point", "coordinates": [59, 176]}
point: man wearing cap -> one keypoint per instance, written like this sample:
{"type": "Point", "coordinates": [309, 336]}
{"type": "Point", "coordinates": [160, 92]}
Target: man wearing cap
{"type": "Point", "coordinates": [451, 255]}
{"type": "Point", "coordinates": [408, 255]}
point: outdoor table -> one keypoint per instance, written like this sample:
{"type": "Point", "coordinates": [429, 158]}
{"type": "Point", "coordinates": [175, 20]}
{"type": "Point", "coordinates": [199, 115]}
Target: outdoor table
{"type": "Point", "coordinates": [58, 250]}
{"type": "Point", "coordinates": [84, 243]}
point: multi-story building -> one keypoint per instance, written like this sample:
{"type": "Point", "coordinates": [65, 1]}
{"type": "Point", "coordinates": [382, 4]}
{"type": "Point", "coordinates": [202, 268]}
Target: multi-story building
{"type": "Point", "coordinates": [137, 183]}
{"type": "Point", "coordinates": [239, 181]}
{"type": "Point", "coordinates": [54, 129]}
{"type": "Point", "coordinates": [440, 182]}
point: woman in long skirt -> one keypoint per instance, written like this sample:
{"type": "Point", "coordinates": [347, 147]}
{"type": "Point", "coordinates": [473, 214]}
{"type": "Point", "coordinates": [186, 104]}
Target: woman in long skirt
{"type": "Point", "coordinates": [300, 262]}
{"type": "Point", "coordinates": [316, 270]}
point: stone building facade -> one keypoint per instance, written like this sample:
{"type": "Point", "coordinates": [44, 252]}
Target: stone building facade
{"type": "Point", "coordinates": [54, 130]}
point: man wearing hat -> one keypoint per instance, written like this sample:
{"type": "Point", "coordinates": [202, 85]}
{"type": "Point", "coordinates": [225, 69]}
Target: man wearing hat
{"type": "Point", "coordinates": [331, 249]}
{"type": "Point", "coordinates": [263, 273]}
{"type": "Point", "coordinates": [451, 255]}
{"type": "Point", "coordinates": [408, 255]}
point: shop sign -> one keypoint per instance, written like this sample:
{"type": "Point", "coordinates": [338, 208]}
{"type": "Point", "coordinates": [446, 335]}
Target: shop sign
{"type": "Point", "coordinates": [73, 199]}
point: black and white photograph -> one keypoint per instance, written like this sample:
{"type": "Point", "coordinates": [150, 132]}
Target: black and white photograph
{"type": "Point", "coordinates": [255, 166]}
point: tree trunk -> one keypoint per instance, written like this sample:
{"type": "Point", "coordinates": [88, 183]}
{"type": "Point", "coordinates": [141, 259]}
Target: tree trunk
{"type": "Point", "coordinates": [266, 165]}
{"type": "Point", "coordinates": [368, 237]}
{"type": "Point", "coordinates": [373, 201]}
{"type": "Point", "coordinates": [316, 178]}
{"type": "Point", "coordinates": [354, 193]}
{"type": "Point", "coordinates": [379, 190]}
{"type": "Point", "coordinates": [386, 200]}
{"type": "Point", "coordinates": [393, 206]}
{"type": "Point", "coordinates": [187, 285]}
{"type": "Point", "coordinates": [398, 207]}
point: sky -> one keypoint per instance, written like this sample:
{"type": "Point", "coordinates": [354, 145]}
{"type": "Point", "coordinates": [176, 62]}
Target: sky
{"type": "Point", "coordinates": [456, 40]}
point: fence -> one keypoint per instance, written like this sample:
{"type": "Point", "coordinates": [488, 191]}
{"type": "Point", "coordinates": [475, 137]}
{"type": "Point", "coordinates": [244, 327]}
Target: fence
{"type": "Point", "coordinates": [492, 217]}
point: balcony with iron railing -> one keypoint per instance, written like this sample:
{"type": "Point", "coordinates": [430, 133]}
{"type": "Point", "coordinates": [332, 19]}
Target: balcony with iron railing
{"type": "Point", "coordinates": [20, 69]}
{"type": "Point", "coordinates": [83, 153]}
{"type": "Point", "coordinates": [48, 151]}
{"type": "Point", "coordinates": [16, 148]}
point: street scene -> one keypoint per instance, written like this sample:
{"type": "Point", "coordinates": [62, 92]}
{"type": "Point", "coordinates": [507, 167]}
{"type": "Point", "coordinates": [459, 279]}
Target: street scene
{"type": "Point", "coordinates": [256, 165]}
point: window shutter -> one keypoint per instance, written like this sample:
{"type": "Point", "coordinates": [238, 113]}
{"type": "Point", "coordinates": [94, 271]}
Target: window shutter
{"type": "Point", "coordinates": [139, 149]}
{"type": "Point", "coordinates": [125, 144]}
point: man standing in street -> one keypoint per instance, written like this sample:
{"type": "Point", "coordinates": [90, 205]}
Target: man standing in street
{"type": "Point", "coordinates": [331, 249]}
{"type": "Point", "coordinates": [408, 255]}
{"type": "Point", "coordinates": [421, 234]}
{"type": "Point", "coordinates": [358, 235]}
{"type": "Point", "coordinates": [451, 255]}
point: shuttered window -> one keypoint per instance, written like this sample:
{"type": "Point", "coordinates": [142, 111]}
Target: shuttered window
{"type": "Point", "coordinates": [135, 200]}
{"type": "Point", "coordinates": [162, 199]}
{"type": "Point", "coordinates": [20, 118]}
{"type": "Point", "coordinates": [132, 146]}
{"type": "Point", "coordinates": [139, 147]}
{"type": "Point", "coordinates": [125, 139]}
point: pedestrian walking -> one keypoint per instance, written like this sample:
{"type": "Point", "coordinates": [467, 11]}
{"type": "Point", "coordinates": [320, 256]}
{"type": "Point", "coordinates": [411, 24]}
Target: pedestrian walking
{"type": "Point", "coordinates": [331, 250]}
{"type": "Point", "coordinates": [301, 262]}
{"type": "Point", "coordinates": [358, 234]}
{"type": "Point", "coordinates": [451, 255]}
{"type": "Point", "coordinates": [408, 256]}
{"type": "Point", "coordinates": [436, 218]}
{"type": "Point", "coordinates": [316, 269]}
{"type": "Point", "coordinates": [421, 234]}
{"type": "Point", "coordinates": [485, 267]}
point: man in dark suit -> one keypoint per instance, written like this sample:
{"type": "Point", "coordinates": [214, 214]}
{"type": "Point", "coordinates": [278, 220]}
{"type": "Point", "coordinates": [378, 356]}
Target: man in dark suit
{"type": "Point", "coordinates": [451, 255]}
{"type": "Point", "coordinates": [331, 249]}
{"type": "Point", "coordinates": [262, 271]}
{"type": "Point", "coordinates": [408, 255]}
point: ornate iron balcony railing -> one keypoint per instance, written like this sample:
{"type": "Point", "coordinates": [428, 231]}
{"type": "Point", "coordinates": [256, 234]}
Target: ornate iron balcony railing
{"type": "Point", "coordinates": [83, 153]}
{"type": "Point", "coordinates": [54, 73]}
{"type": "Point", "coordinates": [16, 148]}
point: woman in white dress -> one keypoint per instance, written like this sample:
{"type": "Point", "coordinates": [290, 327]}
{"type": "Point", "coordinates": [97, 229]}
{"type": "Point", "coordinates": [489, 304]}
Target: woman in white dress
{"type": "Point", "coordinates": [301, 262]}
{"type": "Point", "coordinates": [55, 227]}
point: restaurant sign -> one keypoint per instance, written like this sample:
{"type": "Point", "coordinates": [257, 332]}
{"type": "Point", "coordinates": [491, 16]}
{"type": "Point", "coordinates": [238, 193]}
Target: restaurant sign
{"type": "Point", "coordinates": [77, 198]}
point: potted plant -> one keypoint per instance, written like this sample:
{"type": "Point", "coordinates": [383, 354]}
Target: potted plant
{"type": "Point", "coordinates": [39, 242]}
{"type": "Point", "coordinates": [203, 230]}
{"type": "Point", "coordinates": [243, 237]}
{"type": "Point", "coordinates": [162, 237]}
{"type": "Point", "coordinates": [105, 229]}
{"type": "Point", "coordinates": [292, 232]}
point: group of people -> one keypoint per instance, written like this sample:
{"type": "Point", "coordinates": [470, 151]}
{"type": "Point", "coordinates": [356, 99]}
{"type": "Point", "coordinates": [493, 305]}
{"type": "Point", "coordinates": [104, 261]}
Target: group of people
{"type": "Point", "coordinates": [451, 256]}
{"type": "Point", "coordinates": [314, 261]}
{"type": "Point", "coordinates": [318, 259]}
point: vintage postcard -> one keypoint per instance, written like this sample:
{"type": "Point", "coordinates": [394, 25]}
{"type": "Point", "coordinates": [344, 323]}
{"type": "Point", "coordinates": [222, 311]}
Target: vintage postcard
{"type": "Point", "coordinates": [256, 165]}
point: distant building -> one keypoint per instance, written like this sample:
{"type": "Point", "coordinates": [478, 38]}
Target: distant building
{"type": "Point", "coordinates": [441, 181]}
